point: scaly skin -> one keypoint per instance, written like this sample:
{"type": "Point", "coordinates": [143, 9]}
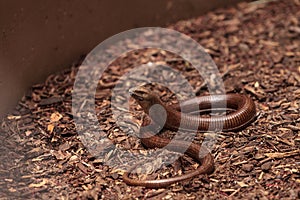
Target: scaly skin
{"type": "Point", "coordinates": [244, 113]}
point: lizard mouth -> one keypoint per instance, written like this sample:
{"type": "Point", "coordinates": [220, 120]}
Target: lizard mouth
{"type": "Point", "coordinates": [140, 93]}
{"type": "Point", "coordinates": [136, 94]}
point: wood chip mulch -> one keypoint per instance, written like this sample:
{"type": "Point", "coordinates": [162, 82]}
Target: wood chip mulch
{"type": "Point", "coordinates": [257, 49]}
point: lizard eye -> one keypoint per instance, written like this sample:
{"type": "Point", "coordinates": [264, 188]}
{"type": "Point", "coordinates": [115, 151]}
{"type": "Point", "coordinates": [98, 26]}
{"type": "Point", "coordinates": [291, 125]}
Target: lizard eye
{"type": "Point", "coordinates": [137, 96]}
{"type": "Point", "coordinates": [140, 98]}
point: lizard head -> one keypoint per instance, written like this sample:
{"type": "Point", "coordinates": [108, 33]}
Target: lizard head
{"type": "Point", "coordinates": [145, 97]}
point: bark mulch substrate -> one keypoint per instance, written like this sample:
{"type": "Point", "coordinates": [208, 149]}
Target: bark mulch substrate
{"type": "Point", "coordinates": [257, 49]}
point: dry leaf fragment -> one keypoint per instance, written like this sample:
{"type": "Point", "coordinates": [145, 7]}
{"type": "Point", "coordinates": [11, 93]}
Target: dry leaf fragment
{"type": "Point", "coordinates": [12, 189]}
{"type": "Point", "coordinates": [28, 133]}
{"type": "Point", "coordinates": [261, 175]}
{"type": "Point", "coordinates": [269, 43]}
{"type": "Point", "coordinates": [73, 158]}
{"type": "Point", "coordinates": [12, 117]}
{"type": "Point", "coordinates": [82, 168]}
{"type": "Point", "coordinates": [256, 91]}
{"type": "Point", "coordinates": [242, 184]}
{"type": "Point", "coordinates": [50, 128]}
{"type": "Point", "coordinates": [60, 155]}
{"type": "Point", "coordinates": [228, 190]}
{"type": "Point", "coordinates": [56, 116]}
{"type": "Point", "coordinates": [283, 155]}
{"type": "Point", "coordinates": [40, 184]}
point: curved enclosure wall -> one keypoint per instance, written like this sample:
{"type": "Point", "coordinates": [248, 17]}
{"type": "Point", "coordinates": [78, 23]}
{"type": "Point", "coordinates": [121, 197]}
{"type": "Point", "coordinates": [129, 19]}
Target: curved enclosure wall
{"type": "Point", "coordinates": [40, 37]}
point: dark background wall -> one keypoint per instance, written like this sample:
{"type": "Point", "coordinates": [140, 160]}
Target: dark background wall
{"type": "Point", "coordinates": [40, 37]}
